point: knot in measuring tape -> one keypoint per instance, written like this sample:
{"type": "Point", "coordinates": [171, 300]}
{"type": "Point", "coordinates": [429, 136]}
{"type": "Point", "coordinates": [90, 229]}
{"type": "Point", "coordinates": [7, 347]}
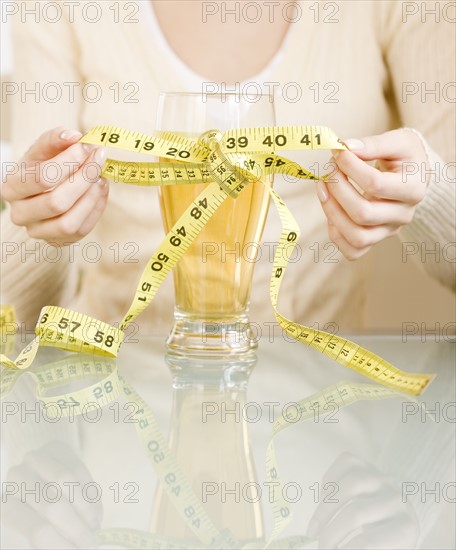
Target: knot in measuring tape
{"type": "Point", "coordinates": [210, 139]}
{"type": "Point", "coordinates": [233, 172]}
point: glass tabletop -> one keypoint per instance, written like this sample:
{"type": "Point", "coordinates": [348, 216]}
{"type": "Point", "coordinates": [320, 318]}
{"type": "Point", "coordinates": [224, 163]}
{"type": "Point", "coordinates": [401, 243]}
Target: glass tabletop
{"type": "Point", "coordinates": [293, 451]}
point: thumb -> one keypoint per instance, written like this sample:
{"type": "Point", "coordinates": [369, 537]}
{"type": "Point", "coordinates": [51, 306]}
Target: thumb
{"type": "Point", "coordinates": [392, 145]}
{"type": "Point", "coordinates": [51, 143]}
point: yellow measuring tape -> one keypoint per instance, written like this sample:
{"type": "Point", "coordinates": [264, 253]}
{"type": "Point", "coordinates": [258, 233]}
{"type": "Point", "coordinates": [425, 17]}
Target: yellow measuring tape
{"type": "Point", "coordinates": [229, 162]}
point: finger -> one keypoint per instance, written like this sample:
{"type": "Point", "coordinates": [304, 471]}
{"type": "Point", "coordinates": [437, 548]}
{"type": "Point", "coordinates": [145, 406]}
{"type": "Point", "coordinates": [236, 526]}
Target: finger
{"type": "Point", "coordinates": [382, 185]}
{"type": "Point", "coordinates": [356, 516]}
{"type": "Point", "coordinates": [39, 533]}
{"type": "Point", "coordinates": [92, 219]}
{"type": "Point", "coordinates": [58, 200]}
{"type": "Point", "coordinates": [398, 144]}
{"type": "Point", "coordinates": [34, 178]}
{"type": "Point", "coordinates": [349, 252]}
{"type": "Point", "coordinates": [353, 477]}
{"type": "Point", "coordinates": [46, 536]}
{"type": "Point", "coordinates": [356, 235]}
{"type": "Point", "coordinates": [66, 228]}
{"type": "Point", "coordinates": [400, 532]}
{"type": "Point", "coordinates": [51, 143]}
{"type": "Point", "coordinates": [345, 463]}
{"type": "Point", "coordinates": [51, 506]}
{"type": "Point", "coordinates": [59, 463]}
{"type": "Point", "coordinates": [364, 211]}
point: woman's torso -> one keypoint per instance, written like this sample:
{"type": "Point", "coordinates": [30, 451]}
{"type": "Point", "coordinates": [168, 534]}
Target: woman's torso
{"type": "Point", "coordinates": [332, 60]}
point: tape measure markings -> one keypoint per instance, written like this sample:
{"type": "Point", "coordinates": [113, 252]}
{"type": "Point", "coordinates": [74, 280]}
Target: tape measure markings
{"type": "Point", "coordinates": [229, 180]}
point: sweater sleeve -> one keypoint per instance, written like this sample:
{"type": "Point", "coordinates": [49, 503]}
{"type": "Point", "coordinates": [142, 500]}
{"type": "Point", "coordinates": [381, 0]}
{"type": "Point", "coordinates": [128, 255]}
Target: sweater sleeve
{"type": "Point", "coordinates": [45, 68]}
{"type": "Point", "coordinates": [430, 238]}
{"type": "Point", "coordinates": [419, 43]}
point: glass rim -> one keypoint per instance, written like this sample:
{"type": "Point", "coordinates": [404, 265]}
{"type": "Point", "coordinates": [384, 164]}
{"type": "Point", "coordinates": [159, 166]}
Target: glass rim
{"type": "Point", "coordinates": [211, 94]}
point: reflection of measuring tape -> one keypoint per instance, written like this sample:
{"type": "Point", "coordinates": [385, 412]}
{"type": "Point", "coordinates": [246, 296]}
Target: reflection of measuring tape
{"type": "Point", "coordinates": [68, 370]}
{"type": "Point", "coordinates": [230, 161]}
{"type": "Point", "coordinates": [8, 329]}
{"type": "Point", "coordinates": [330, 400]}
{"type": "Point", "coordinates": [168, 471]}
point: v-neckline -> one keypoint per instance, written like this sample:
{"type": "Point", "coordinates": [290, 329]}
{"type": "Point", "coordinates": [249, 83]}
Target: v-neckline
{"type": "Point", "coordinates": [193, 76]}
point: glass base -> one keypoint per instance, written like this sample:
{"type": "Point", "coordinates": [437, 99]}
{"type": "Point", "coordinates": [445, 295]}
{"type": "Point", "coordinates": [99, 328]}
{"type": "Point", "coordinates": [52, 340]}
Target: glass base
{"type": "Point", "coordinates": [192, 337]}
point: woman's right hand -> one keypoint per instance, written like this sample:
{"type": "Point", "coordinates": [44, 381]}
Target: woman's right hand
{"type": "Point", "coordinates": [56, 193]}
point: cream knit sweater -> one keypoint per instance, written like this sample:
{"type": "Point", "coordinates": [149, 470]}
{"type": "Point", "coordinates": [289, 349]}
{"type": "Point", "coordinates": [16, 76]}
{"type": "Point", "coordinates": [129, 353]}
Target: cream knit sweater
{"type": "Point", "coordinates": [352, 73]}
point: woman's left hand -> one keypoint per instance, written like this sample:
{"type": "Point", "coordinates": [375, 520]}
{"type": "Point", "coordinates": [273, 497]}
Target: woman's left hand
{"type": "Point", "coordinates": [389, 192]}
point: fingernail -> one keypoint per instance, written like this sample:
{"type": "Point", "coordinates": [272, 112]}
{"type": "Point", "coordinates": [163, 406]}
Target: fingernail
{"type": "Point", "coordinates": [322, 192]}
{"type": "Point", "coordinates": [100, 155]}
{"type": "Point", "coordinates": [354, 144]}
{"type": "Point", "coordinates": [313, 528]}
{"type": "Point", "coordinates": [70, 134]}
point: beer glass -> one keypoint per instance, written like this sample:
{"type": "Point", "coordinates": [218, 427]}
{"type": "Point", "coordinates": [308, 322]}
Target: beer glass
{"type": "Point", "coordinates": [212, 281]}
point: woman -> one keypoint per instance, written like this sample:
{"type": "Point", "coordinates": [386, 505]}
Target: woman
{"type": "Point", "coordinates": [361, 68]}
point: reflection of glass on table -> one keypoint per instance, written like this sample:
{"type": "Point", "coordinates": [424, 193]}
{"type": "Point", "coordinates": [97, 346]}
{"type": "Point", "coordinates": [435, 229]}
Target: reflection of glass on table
{"type": "Point", "coordinates": [391, 440]}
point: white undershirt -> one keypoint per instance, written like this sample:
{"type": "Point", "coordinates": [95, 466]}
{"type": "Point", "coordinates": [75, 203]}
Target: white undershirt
{"type": "Point", "coordinates": [194, 81]}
